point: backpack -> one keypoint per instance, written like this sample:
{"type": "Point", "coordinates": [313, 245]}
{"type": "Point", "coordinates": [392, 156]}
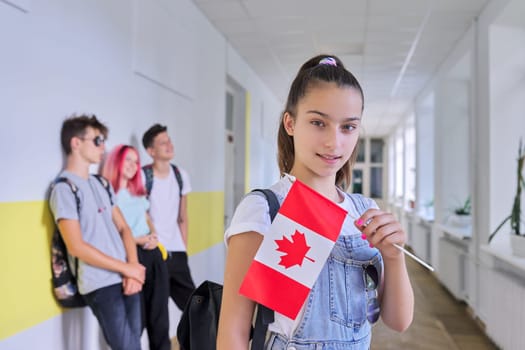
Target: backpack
{"type": "Point", "coordinates": [148, 172]}
{"type": "Point", "coordinates": [63, 279]}
{"type": "Point", "coordinates": [197, 329]}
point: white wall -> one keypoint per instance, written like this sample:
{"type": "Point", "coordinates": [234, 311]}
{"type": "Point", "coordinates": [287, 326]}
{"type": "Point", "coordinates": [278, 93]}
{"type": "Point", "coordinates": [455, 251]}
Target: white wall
{"type": "Point", "coordinates": [507, 110]}
{"type": "Point", "coordinates": [132, 63]}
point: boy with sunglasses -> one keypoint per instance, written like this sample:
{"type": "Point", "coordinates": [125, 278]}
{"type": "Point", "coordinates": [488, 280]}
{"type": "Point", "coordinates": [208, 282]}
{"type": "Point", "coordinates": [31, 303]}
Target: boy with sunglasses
{"type": "Point", "coordinates": [109, 275]}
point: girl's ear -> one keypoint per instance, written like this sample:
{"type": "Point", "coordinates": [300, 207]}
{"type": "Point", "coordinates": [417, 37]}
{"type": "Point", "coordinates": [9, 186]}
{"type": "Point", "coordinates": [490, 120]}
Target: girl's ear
{"type": "Point", "coordinates": [288, 123]}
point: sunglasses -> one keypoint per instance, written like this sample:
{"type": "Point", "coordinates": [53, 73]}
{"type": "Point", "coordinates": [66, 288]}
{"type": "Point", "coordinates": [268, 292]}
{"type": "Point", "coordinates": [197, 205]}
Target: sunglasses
{"type": "Point", "coordinates": [371, 284]}
{"type": "Point", "coordinates": [98, 141]}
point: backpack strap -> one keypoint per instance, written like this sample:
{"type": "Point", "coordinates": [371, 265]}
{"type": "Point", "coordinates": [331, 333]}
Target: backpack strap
{"type": "Point", "coordinates": [105, 183]}
{"type": "Point", "coordinates": [148, 173]}
{"type": "Point", "coordinates": [178, 177]}
{"type": "Point", "coordinates": [74, 189]}
{"type": "Point", "coordinates": [265, 316]}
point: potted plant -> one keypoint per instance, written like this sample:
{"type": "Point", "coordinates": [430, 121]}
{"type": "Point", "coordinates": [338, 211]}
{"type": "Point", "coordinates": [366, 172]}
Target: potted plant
{"type": "Point", "coordinates": [461, 216]}
{"type": "Point", "coordinates": [517, 238]}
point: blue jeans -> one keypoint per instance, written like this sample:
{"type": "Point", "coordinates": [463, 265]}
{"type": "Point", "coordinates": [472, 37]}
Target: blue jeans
{"type": "Point", "coordinates": [118, 316]}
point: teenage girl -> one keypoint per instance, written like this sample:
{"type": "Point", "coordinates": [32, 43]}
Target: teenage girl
{"type": "Point", "coordinates": [122, 169]}
{"type": "Point", "coordinates": [317, 139]}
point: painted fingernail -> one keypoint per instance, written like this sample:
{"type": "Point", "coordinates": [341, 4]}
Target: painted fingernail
{"type": "Point", "coordinates": [359, 222]}
{"type": "Point", "coordinates": [363, 236]}
{"type": "Point", "coordinates": [371, 245]}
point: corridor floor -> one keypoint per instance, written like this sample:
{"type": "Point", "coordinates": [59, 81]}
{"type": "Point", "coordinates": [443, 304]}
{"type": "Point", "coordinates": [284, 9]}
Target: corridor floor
{"type": "Point", "coordinates": [440, 321]}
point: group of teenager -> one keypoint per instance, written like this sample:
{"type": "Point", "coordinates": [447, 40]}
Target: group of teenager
{"type": "Point", "coordinates": [364, 277]}
{"type": "Point", "coordinates": [130, 242]}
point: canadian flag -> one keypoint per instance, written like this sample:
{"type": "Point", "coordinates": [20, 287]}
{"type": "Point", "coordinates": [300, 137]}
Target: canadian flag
{"type": "Point", "coordinates": [294, 251]}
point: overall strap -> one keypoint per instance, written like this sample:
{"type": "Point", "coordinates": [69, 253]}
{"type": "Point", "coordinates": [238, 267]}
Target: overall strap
{"type": "Point", "coordinates": [361, 206]}
{"type": "Point", "coordinates": [359, 202]}
{"type": "Point", "coordinates": [265, 316]}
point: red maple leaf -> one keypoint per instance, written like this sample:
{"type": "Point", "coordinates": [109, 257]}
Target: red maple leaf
{"type": "Point", "coordinates": [295, 250]}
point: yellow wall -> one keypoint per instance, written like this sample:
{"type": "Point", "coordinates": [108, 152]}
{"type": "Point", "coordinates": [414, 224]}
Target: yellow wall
{"type": "Point", "coordinates": [206, 220]}
{"type": "Point", "coordinates": [26, 297]}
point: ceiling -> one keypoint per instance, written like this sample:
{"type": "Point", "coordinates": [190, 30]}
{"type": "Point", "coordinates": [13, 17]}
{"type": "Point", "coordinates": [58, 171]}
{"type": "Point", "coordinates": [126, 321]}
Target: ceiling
{"type": "Point", "coordinates": [392, 46]}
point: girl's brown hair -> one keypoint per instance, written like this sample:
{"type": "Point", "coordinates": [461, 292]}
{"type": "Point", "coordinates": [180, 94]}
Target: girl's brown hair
{"type": "Point", "coordinates": [317, 70]}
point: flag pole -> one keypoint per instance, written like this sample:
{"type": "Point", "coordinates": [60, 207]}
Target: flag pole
{"type": "Point", "coordinates": [403, 249]}
{"type": "Point", "coordinates": [413, 256]}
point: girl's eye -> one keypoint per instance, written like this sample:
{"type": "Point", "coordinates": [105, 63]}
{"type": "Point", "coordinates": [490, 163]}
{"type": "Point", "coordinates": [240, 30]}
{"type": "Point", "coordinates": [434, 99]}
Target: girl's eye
{"type": "Point", "coordinates": [317, 123]}
{"type": "Point", "coordinates": [348, 127]}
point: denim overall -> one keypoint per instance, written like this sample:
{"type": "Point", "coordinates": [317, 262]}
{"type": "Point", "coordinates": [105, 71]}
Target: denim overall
{"type": "Point", "coordinates": [335, 315]}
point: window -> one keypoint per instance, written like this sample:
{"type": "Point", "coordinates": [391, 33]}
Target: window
{"type": "Point", "coordinates": [376, 150]}
{"type": "Point", "coordinates": [410, 165]}
{"type": "Point", "coordinates": [367, 176]}
{"type": "Point", "coordinates": [357, 181]}
{"type": "Point", "coordinates": [376, 182]}
{"type": "Point", "coordinates": [361, 151]}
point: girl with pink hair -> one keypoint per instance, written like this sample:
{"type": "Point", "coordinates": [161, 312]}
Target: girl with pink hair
{"type": "Point", "coordinates": [121, 168]}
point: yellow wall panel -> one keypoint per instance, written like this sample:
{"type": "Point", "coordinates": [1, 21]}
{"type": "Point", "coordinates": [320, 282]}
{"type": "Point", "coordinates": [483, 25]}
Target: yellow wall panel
{"type": "Point", "coordinates": [25, 296]}
{"type": "Point", "coordinates": [206, 220]}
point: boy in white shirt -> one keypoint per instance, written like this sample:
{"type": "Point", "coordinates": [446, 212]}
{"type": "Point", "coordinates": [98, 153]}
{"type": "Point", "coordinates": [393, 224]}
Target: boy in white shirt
{"type": "Point", "coordinates": [167, 186]}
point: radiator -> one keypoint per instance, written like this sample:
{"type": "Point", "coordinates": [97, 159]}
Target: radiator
{"type": "Point", "coordinates": [452, 267]}
{"type": "Point", "coordinates": [502, 308]}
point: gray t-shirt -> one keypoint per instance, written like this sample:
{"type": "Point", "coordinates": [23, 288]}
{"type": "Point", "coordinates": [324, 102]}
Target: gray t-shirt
{"type": "Point", "coordinates": [96, 225]}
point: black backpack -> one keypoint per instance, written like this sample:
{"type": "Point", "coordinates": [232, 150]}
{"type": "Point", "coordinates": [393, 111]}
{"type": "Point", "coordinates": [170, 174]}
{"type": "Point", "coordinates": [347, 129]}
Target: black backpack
{"type": "Point", "coordinates": [148, 172]}
{"type": "Point", "coordinates": [63, 279]}
{"type": "Point", "coordinates": [197, 329]}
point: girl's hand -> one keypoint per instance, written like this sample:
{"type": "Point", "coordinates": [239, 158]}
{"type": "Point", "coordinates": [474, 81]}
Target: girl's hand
{"type": "Point", "coordinates": [148, 242]}
{"type": "Point", "coordinates": [381, 229]}
{"type": "Point", "coordinates": [152, 241]}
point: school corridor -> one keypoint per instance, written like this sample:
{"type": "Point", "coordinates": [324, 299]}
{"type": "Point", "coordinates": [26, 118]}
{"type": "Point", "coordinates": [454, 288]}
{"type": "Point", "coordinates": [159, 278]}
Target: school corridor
{"type": "Point", "coordinates": [442, 130]}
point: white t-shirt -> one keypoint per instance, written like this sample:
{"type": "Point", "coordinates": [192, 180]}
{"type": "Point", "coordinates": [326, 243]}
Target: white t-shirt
{"type": "Point", "coordinates": [252, 214]}
{"type": "Point", "coordinates": [164, 208]}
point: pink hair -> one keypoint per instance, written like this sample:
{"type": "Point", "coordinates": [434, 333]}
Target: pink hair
{"type": "Point", "coordinates": [112, 170]}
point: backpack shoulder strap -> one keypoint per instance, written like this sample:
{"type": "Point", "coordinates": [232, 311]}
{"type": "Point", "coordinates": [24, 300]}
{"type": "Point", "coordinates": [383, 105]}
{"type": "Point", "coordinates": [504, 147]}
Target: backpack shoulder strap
{"type": "Point", "coordinates": [178, 176]}
{"type": "Point", "coordinates": [273, 202]}
{"type": "Point", "coordinates": [265, 316]}
{"type": "Point", "coordinates": [73, 187]}
{"type": "Point", "coordinates": [148, 173]}
{"type": "Point", "coordinates": [105, 183]}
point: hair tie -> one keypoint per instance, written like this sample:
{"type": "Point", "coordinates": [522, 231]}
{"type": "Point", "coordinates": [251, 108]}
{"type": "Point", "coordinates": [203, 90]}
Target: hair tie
{"type": "Point", "coordinates": [329, 61]}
